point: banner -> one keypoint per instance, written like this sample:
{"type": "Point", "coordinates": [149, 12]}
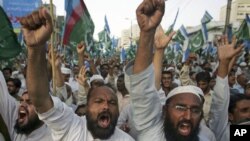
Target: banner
{"type": "Point", "coordinates": [19, 8]}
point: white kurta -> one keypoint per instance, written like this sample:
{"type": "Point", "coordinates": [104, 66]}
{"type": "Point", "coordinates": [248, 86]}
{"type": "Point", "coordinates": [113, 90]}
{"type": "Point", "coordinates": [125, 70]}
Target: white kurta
{"type": "Point", "coordinates": [65, 125]}
{"type": "Point", "coordinates": [9, 111]}
{"type": "Point", "coordinates": [147, 108]}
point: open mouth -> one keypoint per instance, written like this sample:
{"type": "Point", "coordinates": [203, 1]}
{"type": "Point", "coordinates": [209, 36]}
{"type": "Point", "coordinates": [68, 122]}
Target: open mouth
{"type": "Point", "coordinates": [104, 120]}
{"type": "Point", "coordinates": [185, 128]}
{"type": "Point", "coordinates": [22, 115]}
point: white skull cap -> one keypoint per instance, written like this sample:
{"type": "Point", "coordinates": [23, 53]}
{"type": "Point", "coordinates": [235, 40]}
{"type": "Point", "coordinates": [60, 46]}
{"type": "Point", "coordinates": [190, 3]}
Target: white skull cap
{"type": "Point", "coordinates": [186, 89]}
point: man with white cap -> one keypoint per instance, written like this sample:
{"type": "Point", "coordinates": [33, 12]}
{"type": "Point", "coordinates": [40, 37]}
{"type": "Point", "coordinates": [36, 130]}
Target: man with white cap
{"type": "Point", "coordinates": [183, 109]}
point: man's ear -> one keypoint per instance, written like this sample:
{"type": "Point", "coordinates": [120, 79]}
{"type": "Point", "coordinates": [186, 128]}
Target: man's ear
{"type": "Point", "coordinates": [164, 111]}
{"type": "Point", "coordinates": [231, 117]}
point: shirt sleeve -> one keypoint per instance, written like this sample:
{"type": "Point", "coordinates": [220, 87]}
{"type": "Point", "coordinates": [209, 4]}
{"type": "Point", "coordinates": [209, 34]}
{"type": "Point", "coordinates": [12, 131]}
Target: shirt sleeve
{"type": "Point", "coordinates": [219, 108]}
{"type": "Point", "coordinates": [62, 121]}
{"type": "Point", "coordinates": [82, 95]}
{"type": "Point", "coordinates": [61, 92]}
{"type": "Point", "coordinates": [184, 76]}
{"type": "Point", "coordinates": [8, 105]}
{"type": "Point", "coordinates": [145, 102]}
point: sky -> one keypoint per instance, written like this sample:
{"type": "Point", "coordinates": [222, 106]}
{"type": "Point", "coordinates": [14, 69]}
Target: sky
{"type": "Point", "coordinates": [120, 13]}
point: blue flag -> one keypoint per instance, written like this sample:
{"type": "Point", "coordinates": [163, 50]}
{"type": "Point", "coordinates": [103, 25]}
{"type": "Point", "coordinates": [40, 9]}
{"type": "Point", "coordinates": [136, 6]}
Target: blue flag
{"type": "Point", "coordinates": [123, 55]}
{"type": "Point", "coordinates": [205, 19]}
{"type": "Point", "coordinates": [106, 27]}
{"type": "Point", "coordinates": [186, 51]}
{"type": "Point", "coordinates": [229, 32]}
{"type": "Point", "coordinates": [171, 27]}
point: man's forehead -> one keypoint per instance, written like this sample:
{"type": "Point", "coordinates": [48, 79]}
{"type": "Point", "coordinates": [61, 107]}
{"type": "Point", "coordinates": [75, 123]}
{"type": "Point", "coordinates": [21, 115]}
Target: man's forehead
{"type": "Point", "coordinates": [243, 103]}
{"type": "Point", "coordinates": [103, 91]}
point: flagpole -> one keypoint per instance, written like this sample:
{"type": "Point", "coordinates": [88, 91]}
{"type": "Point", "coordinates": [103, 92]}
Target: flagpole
{"type": "Point", "coordinates": [52, 49]}
{"type": "Point", "coordinates": [229, 3]}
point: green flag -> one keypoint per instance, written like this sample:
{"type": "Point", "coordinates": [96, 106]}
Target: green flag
{"type": "Point", "coordinates": [79, 25]}
{"type": "Point", "coordinates": [243, 31]}
{"type": "Point", "coordinates": [196, 41]}
{"type": "Point", "coordinates": [179, 37]}
{"type": "Point", "coordinates": [9, 46]}
{"type": "Point", "coordinates": [106, 42]}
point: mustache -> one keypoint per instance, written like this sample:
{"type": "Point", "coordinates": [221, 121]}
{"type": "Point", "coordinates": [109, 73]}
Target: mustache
{"type": "Point", "coordinates": [25, 109]}
{"type": "Point", "coordinates": [185, 121]}
{"type": "Point", "coordinates": [103, 113]}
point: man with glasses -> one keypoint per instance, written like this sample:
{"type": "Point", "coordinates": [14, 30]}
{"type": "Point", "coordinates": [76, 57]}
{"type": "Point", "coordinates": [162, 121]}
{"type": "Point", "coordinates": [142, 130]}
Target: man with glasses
{"type": "Point", "coordinates": [183, 113]}
{"type": "Point", "coordinates": [179, 119]}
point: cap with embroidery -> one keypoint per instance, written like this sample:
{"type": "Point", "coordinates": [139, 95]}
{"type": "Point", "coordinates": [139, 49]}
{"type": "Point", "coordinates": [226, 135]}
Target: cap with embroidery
{"type": "Point", "coordinates": [186, 89]}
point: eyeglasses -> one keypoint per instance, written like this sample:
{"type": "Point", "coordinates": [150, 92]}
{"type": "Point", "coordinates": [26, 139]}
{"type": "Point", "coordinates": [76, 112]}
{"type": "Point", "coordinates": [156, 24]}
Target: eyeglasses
{"type": "Point", "coordinates": [195, 111]}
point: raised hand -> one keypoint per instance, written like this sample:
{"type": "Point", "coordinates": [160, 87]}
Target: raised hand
{"type": "Point", "coordinates": [58, 61]}
{"type": "Point", "coordinates": [81, 48]}
{"type": "Point", "coordinates": [37, 28]}
{"type": "Point", "coordinates": [161, 39]}
{"type": "Point", "coordinates": [149, 14]}
{"type": "Point", "coordinates": [82, 78]}
{"type": "Point", "coordinates": [227, 51]}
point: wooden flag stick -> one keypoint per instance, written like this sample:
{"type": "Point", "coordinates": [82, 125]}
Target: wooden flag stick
{"type": "Point", "coordinates": [52, 50]}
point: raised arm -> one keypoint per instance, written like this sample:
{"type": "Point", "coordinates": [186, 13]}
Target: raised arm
{"type": "Point", "coordinates": [218, 122]}
{"type": "Point", "coordinates": [226, 54]}
{"type": "Point", "coordinates": [83, 86]}
{"type": "Point", "coordinates": [149, 15]}
{"type": "Point", "coordinates": [61, 90]}
{"type": "Point", "coordinates": [161, 42]}
{"type": "Point", "coordinates": [37, 28]}
{"type": "Point", "coordinates": [80, 51]}
{"type": "Point", "coordinates": [184, 75]}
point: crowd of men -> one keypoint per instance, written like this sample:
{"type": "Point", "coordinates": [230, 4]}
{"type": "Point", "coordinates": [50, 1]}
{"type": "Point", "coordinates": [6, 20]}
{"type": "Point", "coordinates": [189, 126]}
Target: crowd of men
{"type": "Point", "coordinates": [142, 100]}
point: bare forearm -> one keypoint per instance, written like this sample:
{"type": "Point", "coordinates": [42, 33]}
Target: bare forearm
{"type": "Point", "coordinates": [223, 68]}
{"type": "Point", "coordinates": [145, 51]}
{"type": "Point", "coordinates": [158, 60]}
{"type": "Point", "coordinates": [80, 60]}
{"type": "Point", "coordinates": [59, 77]}
{"type": "Point", "coordinates": [37, 80]}
{"type": "Point", "coordinates": [93, 67]}
{"type": "Point", "coordinates": [231, 64]}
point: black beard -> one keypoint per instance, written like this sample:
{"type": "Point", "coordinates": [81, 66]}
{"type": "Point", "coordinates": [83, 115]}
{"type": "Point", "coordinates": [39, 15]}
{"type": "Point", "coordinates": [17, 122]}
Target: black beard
{"type": "Point", "coordinates": [171, 133]}
{"type": "Point", "coordinates": [99, 132]}
{"type": "Point", "coordinates": [32, 124]}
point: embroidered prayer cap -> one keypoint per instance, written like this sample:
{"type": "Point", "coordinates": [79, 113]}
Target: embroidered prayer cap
{"type": "Point", "coordinates": [186, 89]}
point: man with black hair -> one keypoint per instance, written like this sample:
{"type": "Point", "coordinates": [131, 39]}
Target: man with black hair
{"type": "Point", "coordinates": [167, 83]}
{"type": "Point", "coordinates": [7, 72]}
{"type": "Point", "coordinates": [203, 79]}
{"type": "Point", "coordinates": [14, 85]}
{"type": "Point", "coordinates": [239, 108]}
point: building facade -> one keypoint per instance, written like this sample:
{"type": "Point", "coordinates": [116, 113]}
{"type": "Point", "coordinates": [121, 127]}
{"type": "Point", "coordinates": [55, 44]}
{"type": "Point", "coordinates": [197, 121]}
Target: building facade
{"type": "Point", "coordinates": [129, 35]}
{"type": "Point", "coordinates": [239, 9]}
